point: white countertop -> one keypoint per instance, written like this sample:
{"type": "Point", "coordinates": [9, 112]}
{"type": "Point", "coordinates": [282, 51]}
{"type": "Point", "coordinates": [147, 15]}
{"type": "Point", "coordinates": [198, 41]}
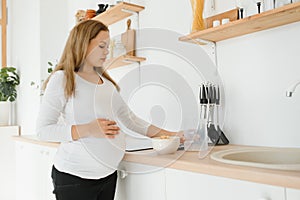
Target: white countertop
{"type": "Point", "coordinates": [189, 161]}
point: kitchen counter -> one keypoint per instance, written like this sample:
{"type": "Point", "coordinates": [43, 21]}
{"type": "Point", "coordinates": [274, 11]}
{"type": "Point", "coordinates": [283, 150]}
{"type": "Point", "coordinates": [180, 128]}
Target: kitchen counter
{"type": "Point", "coordinates": [189, 161]}
{"type": "Point", "coordinates": [35, 140]}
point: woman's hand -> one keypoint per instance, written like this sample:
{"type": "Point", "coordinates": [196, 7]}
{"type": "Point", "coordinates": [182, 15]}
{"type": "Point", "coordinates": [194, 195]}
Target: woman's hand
{"type": "Point", "coordinates": [154, 131]}
{"type": "Point", "coordinates": [101, 128]}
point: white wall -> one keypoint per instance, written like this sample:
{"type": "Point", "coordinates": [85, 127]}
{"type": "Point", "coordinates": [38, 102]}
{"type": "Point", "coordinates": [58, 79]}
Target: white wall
{"type": "Point", "coordinates": [25, 56]}
{"type": "Point", "coordinates": [36, 38]}
{"type": "Point", "coordinates": [53, 32]}
{"type": "Point", "coordinates": [255, 69]}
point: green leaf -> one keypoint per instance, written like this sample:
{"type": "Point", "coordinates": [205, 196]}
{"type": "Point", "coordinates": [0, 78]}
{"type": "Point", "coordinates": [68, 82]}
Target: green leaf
{"type": "Point", "coordinates": [50, 70]}
{"type": "Point", "coordinates": [9, 79]}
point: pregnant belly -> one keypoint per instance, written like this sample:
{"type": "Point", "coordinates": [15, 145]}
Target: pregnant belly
{"type": "Point", "coordinates": [107, 152]}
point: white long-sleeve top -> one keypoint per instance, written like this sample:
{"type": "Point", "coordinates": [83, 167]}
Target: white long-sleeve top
{"type": "Point", "coordinates": [91, 158]}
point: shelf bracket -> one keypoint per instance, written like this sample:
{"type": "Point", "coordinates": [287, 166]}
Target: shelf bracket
{"type": "Point", "coordinates": [210, 48]}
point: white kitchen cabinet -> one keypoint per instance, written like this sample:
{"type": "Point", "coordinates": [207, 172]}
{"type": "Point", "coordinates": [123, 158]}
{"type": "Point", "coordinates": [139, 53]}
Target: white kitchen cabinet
{"type": "Point", "coordinates": [143, 182]}
{"type": "Point", "coordinates": [27, 166]}
{"type": "Point", "coordinates": [33, 168]}
{"type": "Point", "coordinates": [188, 185]}
{"type": "Point", "coordinates": [48, 154]}
{"type": "Point", "coordinates": [8, 162]}
{"type": "Point", "coordinates": [292, 194]}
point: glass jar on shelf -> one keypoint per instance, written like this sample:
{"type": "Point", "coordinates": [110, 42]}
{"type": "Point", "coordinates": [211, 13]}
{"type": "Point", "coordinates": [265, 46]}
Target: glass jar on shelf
{"type": "Point", "coordinates": [119, 49]}
{"type": "Point", "coordinates": [280, 3]}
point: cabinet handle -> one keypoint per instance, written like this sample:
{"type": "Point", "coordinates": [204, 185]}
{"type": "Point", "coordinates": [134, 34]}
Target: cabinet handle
{"type": "Point", "coordinates": [122, 174]}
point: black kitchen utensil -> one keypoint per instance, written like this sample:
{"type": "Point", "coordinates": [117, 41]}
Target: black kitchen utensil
{"type": "Point", "coordinates": [203, 95]}
{"type": "Point", "coordinates": [223, 139]}
{"type": "Point", "coordinates": [212, 132]}
{"type": "Point", "coordinates": [102, 8]}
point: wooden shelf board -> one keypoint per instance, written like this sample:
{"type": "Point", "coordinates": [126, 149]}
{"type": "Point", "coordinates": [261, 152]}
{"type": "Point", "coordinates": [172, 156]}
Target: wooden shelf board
{"type": "Point", "coordinates": [269, 19]}
{"type": "Point", "coordinates": [117, 13]}
{"type": "Point", "coordinates": [122, 60]}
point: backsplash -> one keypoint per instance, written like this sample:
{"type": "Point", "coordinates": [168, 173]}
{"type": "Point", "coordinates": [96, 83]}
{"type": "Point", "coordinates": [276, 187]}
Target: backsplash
{"type": "Point", "coordinates": [256, 70]}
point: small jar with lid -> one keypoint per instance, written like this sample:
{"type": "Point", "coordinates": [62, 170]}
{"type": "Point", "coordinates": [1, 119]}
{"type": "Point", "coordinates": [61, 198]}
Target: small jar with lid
{"type": "Point", "coordinates": [280, 3]}
{"type": "Point", "coordinates": [119, 49]}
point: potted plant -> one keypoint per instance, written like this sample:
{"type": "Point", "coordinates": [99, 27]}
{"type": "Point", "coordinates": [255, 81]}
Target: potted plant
{"type": "Point", "coordinates": [9, 79]}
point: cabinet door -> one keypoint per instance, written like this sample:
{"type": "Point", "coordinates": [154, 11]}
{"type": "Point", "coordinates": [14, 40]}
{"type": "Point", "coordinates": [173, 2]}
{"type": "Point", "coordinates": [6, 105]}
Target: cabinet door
{"type": "Point", "coordinates": [8, 162]}
{"type": "Point", "coordinates": [292, 194]}
{"type": "Point", "coordinates": [28, 168]}
{"type": "Point", "coordinates": [142, 182]}
{"type": "Point", "coordinates": [33, 171]}
{"type": "Point", "coordinates": [187, 185]}
{"type": "Point", "coordinates": [48, 154]}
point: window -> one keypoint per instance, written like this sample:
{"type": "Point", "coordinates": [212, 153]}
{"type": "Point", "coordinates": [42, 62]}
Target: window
{"type": "Point", "coordinates": [3, 23]}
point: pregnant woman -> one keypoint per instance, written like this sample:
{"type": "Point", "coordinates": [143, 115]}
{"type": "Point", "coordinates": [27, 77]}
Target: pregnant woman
{"type": "Point", "coordinates": [81, 108]}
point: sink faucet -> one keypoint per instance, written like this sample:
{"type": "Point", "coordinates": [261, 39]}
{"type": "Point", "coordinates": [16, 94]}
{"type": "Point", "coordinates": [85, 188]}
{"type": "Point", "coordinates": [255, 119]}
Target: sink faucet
{"type": "Point", "coordinates": [291, 89]}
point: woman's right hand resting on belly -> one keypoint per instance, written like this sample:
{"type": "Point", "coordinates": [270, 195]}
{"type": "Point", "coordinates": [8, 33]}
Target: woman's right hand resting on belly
{"type": "Point", "coordinates": [99, 128]}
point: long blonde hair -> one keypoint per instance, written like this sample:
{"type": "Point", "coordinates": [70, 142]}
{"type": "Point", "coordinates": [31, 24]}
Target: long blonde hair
{"type": "Point", "coordinates": [75, 52]}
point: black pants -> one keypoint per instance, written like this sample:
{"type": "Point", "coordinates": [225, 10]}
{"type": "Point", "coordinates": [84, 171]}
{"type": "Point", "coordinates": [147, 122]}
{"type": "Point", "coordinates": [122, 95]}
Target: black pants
{"type": "Point", "coordinates": [70, 187]}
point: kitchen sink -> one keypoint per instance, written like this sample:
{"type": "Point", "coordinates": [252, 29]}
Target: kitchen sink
{"type": "Point", "coordinates": [271, 158]}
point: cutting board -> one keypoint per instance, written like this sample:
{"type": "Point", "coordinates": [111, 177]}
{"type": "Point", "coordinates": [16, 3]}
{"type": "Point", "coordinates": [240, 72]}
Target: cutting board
{"type": "Point", "coordinates": [128, 39]}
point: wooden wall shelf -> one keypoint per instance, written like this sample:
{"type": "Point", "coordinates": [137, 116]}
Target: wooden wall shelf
{"type": "Point", "coordinates": [118, 12]}
{"type": "Point", "coordinates": [113, 15]}
{"type": "Point", "coordinates": [123, 60]}
{"type": "Point", "coordinates": [269, 19]}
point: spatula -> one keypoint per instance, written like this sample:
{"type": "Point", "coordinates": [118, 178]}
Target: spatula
{"type": "Point", "coordinates": [223, 139]}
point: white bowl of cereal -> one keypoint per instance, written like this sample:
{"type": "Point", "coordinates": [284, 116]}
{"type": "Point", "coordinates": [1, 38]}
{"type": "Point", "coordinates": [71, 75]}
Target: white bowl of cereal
{"type": "Point", "coordinates": [165, 144]}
